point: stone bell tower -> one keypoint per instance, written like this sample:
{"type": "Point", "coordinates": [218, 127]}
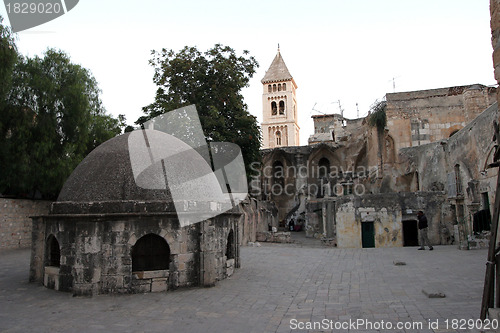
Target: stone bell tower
{"type": "Point", "coordinates": [279, 106]}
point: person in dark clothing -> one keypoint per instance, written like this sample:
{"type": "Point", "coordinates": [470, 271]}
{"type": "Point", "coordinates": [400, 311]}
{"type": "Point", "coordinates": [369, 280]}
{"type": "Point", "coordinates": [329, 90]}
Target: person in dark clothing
{"type": "Point", "coordinates": [422, 231]}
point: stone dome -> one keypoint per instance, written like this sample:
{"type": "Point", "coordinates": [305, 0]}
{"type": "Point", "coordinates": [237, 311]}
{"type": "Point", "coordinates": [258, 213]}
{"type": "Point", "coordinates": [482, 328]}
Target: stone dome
{"type": "Point", "coordinates": [106, 175]}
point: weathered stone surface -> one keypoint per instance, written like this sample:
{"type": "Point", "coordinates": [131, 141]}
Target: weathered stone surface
{"type": "Point", "coordinates": [100, 217]}
{"type": "Point", "coordinates": [15, 222]}
{"type": "Point", "coordinates": [158, 285]}
{"type": "Point", "coordinates": [106, 175]}
{"type": "Point", "coordinates": [150, 274]}
{"type": "Point", "coordinates": [274, 237]}
{"type": "Point", "coordinates": [433, 294]}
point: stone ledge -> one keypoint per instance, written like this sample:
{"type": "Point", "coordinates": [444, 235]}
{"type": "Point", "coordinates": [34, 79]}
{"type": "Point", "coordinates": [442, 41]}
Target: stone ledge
{"type": "Point", "coordinates": [142, 275]}
{"type": "Point", "coordinates": [274, 237]}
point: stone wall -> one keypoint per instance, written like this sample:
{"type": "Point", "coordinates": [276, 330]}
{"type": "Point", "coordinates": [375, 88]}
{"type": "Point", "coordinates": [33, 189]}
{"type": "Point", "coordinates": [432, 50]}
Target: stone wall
{"type": "Point", "coordinates": [15, 222]}
{"type": "Point", "coordinates": [459, 167]}
{"type": "Point", "coordinates": [419, 117]}
{"type": "Point", "coordinates": [256, 218]}
{"type": "Point", "coordinates": [495, 38]}
{"type": "Point", "coordinates": [95, 252]}
{"type": "Point", "coordinates": [387, 213]}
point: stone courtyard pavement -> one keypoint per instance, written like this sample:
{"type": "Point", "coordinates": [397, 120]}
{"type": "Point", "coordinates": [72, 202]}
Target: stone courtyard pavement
{"type": "Point", "coordinates": [278, 288]}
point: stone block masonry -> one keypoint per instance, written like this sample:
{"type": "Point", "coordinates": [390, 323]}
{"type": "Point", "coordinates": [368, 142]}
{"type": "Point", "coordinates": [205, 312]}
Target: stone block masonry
{"type": "Point", "coordinates": [495, 38]}
{"type": "Point", "coordinates": [15, 222]}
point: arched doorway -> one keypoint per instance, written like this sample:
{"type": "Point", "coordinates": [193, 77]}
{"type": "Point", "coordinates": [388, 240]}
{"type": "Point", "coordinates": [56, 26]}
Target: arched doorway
{"type": "Point", "coordinates": [53, 252]}
{"type": "Point", "coordinates": [230, 245]}
{"type": "Point", "coordinates": [150, 253]}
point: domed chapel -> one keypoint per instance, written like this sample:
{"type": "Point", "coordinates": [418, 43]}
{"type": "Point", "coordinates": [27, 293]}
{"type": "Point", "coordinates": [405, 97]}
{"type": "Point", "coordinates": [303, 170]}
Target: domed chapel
{"type": "Point", "coordinates": [105, 234]}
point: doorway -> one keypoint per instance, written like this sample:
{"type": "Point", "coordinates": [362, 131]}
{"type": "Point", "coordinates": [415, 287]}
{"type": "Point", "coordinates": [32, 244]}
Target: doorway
{"type": "Point", "coordinates": [367, 234]}
{"type": "Point", "coordinates": [410, 233]}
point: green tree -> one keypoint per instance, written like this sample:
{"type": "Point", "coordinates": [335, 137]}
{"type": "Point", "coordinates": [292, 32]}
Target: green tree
{"type": "Point", "coordinates": [8, 58]}
{"type": "Point", "coordinates": [13, 129]}
{"type": "Point", "coordinates": [213, 81]}
{"type": "Point", "coordinates": [51, 119]}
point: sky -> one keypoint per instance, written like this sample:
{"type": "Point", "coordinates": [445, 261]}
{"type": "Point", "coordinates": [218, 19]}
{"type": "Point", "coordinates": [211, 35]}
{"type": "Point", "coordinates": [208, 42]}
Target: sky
{"type": "Point", "coordinates": [340, 53]}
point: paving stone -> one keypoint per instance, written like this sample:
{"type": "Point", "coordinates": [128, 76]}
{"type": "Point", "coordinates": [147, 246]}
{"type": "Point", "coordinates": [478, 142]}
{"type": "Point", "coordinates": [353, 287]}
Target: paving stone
{"type": "Point", "coordinates": [276, 283]}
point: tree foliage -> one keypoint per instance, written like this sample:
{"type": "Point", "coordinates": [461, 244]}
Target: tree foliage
{"type": "Point", "coordinates": [51, 117]}
{"type": "Point", "coordinates": [378, 117]}
{"type": "Point", "coordinates": [213, 81]}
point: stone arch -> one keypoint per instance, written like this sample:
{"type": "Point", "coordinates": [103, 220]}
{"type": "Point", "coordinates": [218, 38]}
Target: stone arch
{"type": "Point", "coordinates": [282, 107]}
{"type": "Point", "coordinates": [458, 179]}
{"type": "Point", "coordinates": [52, 252]}
{"type": "Point", "coordinates": [322, 153]}
{"type": "Point", "coordinates": [279, 86]}
{"type": "Point", "coordinates": [268, 171]}
{"type": "Point", "coordinates": [278, 138]}
{"type": "Point", "coordinates": [489, 156]}
{"type": "Point", "coordinates": [453, 130]}
{"type": "Point", "coordinates": [230, 245]}
{"type": "Point", "coordinates": [151, 252]}
{"type": "Point", "coordinates": [389, 150]}
{"type": "Point", "coordinates": [269, 88]}
{"type": "Point", "coordinates": [274, 108]}
{"type": "Point", "coordinates": [361, 162]}
{"type": "Point", "coordinates": [323, 167]}
{"type": "Point", "coordinates": [278, 173]}
{"type": "Point", "coordinates": [171, 241]}
{"type": "Point", "coordinates": [284, 86]}
{"type": "Point", "coordinates": [274, 87]}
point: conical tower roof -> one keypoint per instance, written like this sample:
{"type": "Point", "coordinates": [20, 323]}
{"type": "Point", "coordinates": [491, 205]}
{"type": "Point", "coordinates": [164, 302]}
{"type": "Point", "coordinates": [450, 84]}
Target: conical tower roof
{"type": "Point", "coordinates": [277, 71]}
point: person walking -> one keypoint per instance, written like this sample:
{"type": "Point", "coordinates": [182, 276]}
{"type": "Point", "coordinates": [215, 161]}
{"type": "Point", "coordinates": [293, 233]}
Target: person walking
{"type": "Point", "coordinates": [422, 231]}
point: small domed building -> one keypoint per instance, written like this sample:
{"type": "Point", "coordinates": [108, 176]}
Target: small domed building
{"type": "Point", "coordinates": [105, 234]}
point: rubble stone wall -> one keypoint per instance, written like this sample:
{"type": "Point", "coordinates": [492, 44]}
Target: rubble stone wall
{"type": "Point", "coordinates": [15, 222]}
{"type": "Point", "coordinates": [386, 212]}
{"type": "Point", "coordinates": [495, 38]}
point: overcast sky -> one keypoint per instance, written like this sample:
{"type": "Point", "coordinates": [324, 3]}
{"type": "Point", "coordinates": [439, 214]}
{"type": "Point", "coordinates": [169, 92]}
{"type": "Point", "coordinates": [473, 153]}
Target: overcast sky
{"type": "Point", "coordinates": [335, 49]}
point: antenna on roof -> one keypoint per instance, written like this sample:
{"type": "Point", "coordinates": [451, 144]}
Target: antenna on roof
{"type": "Point", "coordinates": [313, 109]}
{"type": "Point", "coordinates": [341, 110]}
{"type": "Point", "coordinates": [278, 47]}
{"type": "Point", "coordinates": [357, 111]}
{"type": "Point", "coordinates": [394, 83]}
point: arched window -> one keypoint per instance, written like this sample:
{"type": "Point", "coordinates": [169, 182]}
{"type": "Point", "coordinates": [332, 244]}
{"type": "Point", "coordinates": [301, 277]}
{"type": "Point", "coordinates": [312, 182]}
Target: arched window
{"type": "Point", "coordinates": [279, 86]}
{"type": "Point", "coordinates": [269, 88]}
{"type": "Point", "coordinates": [274, 87]}
{"type": "Point", "coordinates": [389, 150]}
{"type": "Point", "coordinates": [230, 245]}
{"type": "Point", "coordinates": [150, 253]}
{"type": "Point", "coordinates": [278, 138]}
{"type": "Point", "coordinates": [274, 108]}
{"type": "Point", "coordinates": [458, 180]}
{"type": "Point", "coordinates": [278, 174]}
{"type": "Point", "coordinates": [282, 107]}
{"type": "Point", "coordinates": [323, 167]}
{"type": "Point", "coordinates": [53, 252]}
{"type": "Point", "coordinates": [284, 86]}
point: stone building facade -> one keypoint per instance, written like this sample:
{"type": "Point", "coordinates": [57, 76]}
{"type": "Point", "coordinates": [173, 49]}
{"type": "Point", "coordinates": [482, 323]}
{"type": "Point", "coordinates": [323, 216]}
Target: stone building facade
{"type": "Point", "coordinates": [420, 117]}
{"type": "Point", "coordinates": [495, 38]}
{"type": "Point", "coordinates": [105, 234]}
{"type": "Point", "coordinates": [361, 186]}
